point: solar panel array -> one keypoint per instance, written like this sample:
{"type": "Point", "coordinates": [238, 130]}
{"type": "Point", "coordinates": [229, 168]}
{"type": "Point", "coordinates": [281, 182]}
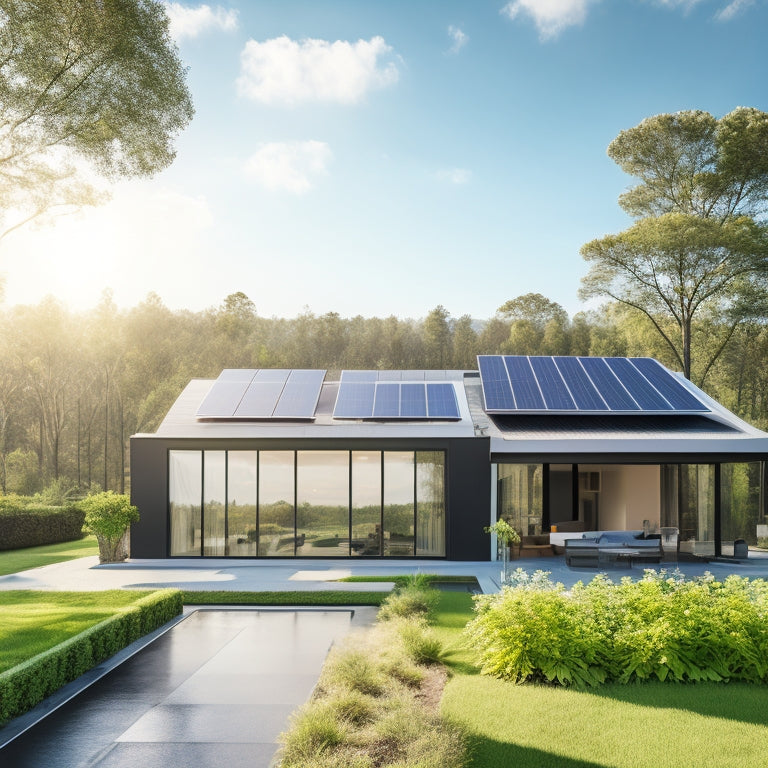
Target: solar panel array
{"type": "Point", "coordinates": [263, 394]}
{"type": "Point", "coordinates": [371, 395]}
{"type": "Point", "coordinates": [513, 384]}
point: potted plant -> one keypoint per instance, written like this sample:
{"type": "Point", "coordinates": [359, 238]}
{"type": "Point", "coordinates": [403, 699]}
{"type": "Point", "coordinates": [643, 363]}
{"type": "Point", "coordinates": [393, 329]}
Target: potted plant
{"type": "Point", "coordinates": [508, 537]}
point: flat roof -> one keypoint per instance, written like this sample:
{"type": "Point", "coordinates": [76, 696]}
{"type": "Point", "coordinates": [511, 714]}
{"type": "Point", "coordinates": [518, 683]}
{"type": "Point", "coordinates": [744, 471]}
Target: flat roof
{"type": "Point", "coordinates": [512, 436]}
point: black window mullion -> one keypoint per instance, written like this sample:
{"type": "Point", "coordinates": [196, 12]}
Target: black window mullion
{"type": "Point", "coordinates": [202, 505]}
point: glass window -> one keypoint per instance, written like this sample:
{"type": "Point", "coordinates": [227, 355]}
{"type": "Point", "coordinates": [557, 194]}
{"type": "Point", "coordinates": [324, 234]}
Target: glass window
{"type": "Point", "coordinates": [520, 496]}
{"type": "Point", "coordinates": [214, 503]}
{"type": "Point", "coordinates": [741, 503]}
{"type": "Point", "coordinates": [399, 481]}
{"type": "Point", "coordinates": [430, 503]}
{"type": "Point", "coordinates": [322, 503]}
{"type": "Point", "coordinates": [366, 503]}
{"type": "Point", "coordinates": [697, 509]}
{"type": "Point", "coordinates": [185, 483]}
{"type": "Point", "coordinates": [242, 538]}
{"type": "Point", "coordinates": [277, 532]}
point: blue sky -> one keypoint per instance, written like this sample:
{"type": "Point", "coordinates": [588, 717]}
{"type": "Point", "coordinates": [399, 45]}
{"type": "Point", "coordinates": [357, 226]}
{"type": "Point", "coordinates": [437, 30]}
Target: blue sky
{"type": "Point", "coordinates": [384, 156]}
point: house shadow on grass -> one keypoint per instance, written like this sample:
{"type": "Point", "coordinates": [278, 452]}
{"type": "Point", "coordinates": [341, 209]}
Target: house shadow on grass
{"type": "Point", "coordinates": [740, 702]}
{"type": "Point", "coordinates": [489, 753]}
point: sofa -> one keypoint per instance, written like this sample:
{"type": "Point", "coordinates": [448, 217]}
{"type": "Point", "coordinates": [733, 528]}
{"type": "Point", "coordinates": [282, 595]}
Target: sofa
{"type": "Point", "coordinates": [613, 547]}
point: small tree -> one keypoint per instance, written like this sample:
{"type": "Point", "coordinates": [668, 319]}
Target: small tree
{"type": "Point", "coordinates": [107, 516]}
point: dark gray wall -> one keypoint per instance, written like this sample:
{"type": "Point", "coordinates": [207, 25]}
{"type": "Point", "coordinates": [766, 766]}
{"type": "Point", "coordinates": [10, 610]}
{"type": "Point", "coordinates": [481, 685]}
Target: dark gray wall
{"type": "Point", "coordinates": [468, 486]}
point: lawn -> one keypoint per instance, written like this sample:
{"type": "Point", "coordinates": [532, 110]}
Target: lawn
{"type": "Point", "coordinates": [15, 560]}
{"type": "Point", "coordinates": [653, 725]}
{"type": "Point", "coordinates": [33, 621]}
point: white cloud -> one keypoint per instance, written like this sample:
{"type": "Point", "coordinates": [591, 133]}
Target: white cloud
{"type": "Point", "coordinates": [733, 8]}
{"type": "Point", "coordinates": [289, 166]}
{"type": "Point", "coordinates": [285, 71]}
{"type": "Point", "coordinates": [190, 22]}
{"type": "Point", "coordinates": [550, 16]}
{"type": "Point", "coordinates": [454, 175]}
{"type": "Point", "coordinates": [459, 39]}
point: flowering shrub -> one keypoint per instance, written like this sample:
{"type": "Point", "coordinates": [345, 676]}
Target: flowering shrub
{"type": "Point", "coordinates": [662, 626]}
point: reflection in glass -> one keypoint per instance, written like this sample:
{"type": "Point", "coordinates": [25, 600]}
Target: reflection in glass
{"type": "Point", "coordinates": [366, 503]}
{"type": "Point", "coordinates": [741, 504]}
{"type": "Point", "coordinates": [214, 503]}
{"type": "Point", "coordinates": [520, 496]}
{"type": "Point", "coordinates": [697, 509]}
{"type": "Point", "coordinates": [185, 483]}
{"type": "Point", "coordinates": [241, 504]}
{"type": "Point", "coordinates": [322, 503]}
{"type": "Point", "coordinates": [276, 504]}
{"type": "Point", "coordinates": [430, 503]}
{"type": "Point", "coordinates": [398, 510]}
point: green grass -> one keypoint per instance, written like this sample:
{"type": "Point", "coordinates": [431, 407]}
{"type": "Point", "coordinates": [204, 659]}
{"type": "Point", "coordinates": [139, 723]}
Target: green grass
{"type": "Point", "coordinates": [33, 621]}
{"type": "Point", "coordinates": [327, 597]}
{"type": "Point", "coordinates": [658, 725]}
{"type": "Point", "coordinates": [16, 560]}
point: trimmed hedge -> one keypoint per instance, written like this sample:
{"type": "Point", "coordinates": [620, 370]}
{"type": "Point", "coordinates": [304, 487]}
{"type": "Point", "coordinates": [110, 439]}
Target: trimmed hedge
{"type": "Point", "coordinates": [35, 525]}
{"type": "Point", "coordinates": [27, 684]}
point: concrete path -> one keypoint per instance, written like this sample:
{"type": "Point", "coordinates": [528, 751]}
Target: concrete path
{"type": "Point", "coordinates": [296, 575]}
{"type": "Point", "coordinates": [215, 690]}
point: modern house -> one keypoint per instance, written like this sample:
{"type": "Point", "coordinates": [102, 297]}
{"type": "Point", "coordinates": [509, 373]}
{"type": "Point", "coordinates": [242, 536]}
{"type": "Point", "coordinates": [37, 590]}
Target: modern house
{"type": "Point", "coordinates": [403, 464]}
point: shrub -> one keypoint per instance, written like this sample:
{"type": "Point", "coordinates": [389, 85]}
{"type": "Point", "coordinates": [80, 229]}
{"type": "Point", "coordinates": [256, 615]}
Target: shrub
{"type": "Point", "coordinates": [27, 684]}
{"type": "Point", "coordinates": [660, 627]}
{"type": "Point", "coordinates": [24, 524]}
{"type": "Point", "coordinates": [412, 599]}
{"type": "Point", "coordinates": [420, 643]}
{"type": "Point", "coordinates": [107, 516]}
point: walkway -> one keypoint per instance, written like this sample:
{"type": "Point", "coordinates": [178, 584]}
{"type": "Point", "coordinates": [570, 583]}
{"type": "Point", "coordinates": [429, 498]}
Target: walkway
{"type": "Point", "coordinates": [215, 690]}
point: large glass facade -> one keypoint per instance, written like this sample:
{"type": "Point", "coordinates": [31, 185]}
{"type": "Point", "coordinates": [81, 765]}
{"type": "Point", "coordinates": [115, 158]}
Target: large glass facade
{"type": "Point", "coordinates": [520, 496]}
{"type": "Point", "coordinates": [307, 503]}
{"type": "Point", "coordinates": [366, 503]}
{"type": "Point", "coordinates": [430, 504]}
{"type": "Point", "coordinates": [242, 523]}
{"type": "Point", "coordinates": [185, 469]}
{"type": "Point", "coordinates": [322, 503]}
{"type": "Point", "coordinates": [277, 493]}
{"type": "Point", "coordinates": [398, 519]}
{"type": "Point", "coordinates": [741, 504]}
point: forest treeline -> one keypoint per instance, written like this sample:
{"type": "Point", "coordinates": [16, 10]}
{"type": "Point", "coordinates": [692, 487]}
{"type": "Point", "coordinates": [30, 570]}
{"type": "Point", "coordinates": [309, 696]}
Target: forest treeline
{"type": "Point", "coordinates": [75, 385]}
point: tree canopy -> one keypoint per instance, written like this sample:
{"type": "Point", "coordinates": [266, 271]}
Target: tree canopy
{"type": "Point", "coordinates": [698, 251]}
{"type": "Point", "coordinates": [87, 88]}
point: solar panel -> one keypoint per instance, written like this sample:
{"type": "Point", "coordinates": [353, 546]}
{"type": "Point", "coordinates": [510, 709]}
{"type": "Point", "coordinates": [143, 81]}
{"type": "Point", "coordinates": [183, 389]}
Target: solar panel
{"type": "Point", "coordinates": [263, 394]}
{"type": "Point", "coordinates": [580, 386]}
{"type": "Point", "coordinates": [515, 384]}
{"type": "Point", "coordinates": [679, 397]}
{"type": "Point", "coordinates": [259, 400]}
{"type": "Point", "coordinates": [553, 388]}
{"type": "Point", "coordinates": [387, 400]}
{"type": "Point", "coordinates": [441, 401]}
{"type": "Point", "coordinates": [222, 399]}
{"type": "Point", "coordinates": [643, 392]}
{"type": "Point", "coordinates": [609, 387]}
{"type": "Point", "coordinates": [525, 388]}
{"type": "Point", "coordinates": [413, 401]}
{"type": "Point", "coordinates": [394, 395]}
{"type": "Point", "coordinates": [300, 394]}
{"type": "Point", "coordinates": [496, 389]}
{"type": "Point", "coordinates": [355, 400]}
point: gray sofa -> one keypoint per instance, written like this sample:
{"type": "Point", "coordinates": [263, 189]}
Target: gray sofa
{"type": "Point", "coordinates": [612, 547]}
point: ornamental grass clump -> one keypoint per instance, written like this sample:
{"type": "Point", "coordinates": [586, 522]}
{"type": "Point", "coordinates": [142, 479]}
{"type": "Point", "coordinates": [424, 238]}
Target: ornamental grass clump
{"type": "Point", "coordinates": [661, 627]}
{"type": "Point", "coordinates": [414, 598]}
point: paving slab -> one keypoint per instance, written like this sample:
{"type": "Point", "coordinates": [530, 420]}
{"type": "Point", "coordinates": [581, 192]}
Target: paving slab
{"type": "Point", "coordinates": [216, 689]}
